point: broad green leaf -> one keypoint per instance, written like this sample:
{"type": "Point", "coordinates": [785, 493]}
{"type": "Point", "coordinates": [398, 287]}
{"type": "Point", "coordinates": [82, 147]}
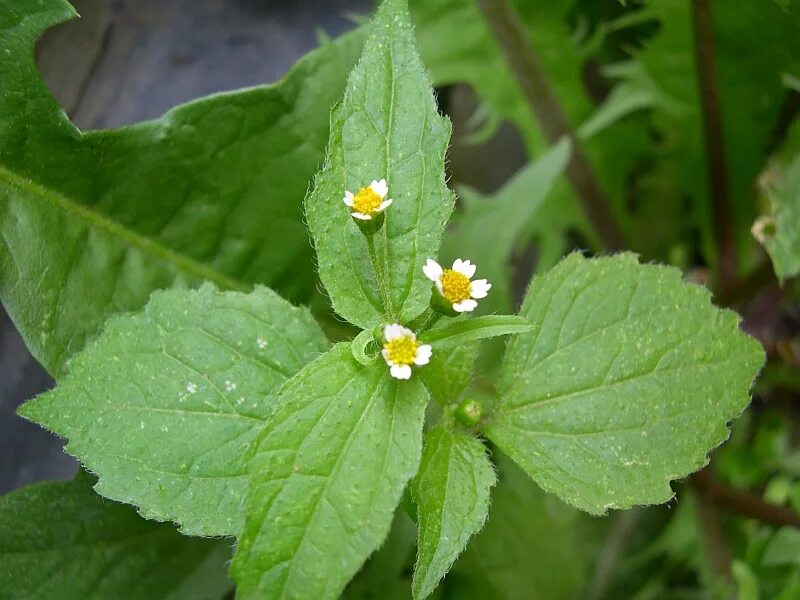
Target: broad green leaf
{"type": "Point", "coordinates": [164, 404]}
{"type": "Point", "coordinates": [61, 540]}
{"type": "Point", "coordinates": [451, 492]}
{"type": "Point", "coordinates": [92, 222]}
{"type": "Point", "coordinates": [489, 228]}
{"type": "Point", "coordinates": [779, 232]}
{"type": "Point", "coordinates": [533, 547]}
{"type": "Point", "coordinates": [328, 471]}
{"type": "Point", "coordinates": [754, 46]}
{"type": "Point", "coordinates": [478, 328]}
{"type": "Point", "coordinates": [628, 381]}
{"type": "Point", "coordinates": [386, 127]}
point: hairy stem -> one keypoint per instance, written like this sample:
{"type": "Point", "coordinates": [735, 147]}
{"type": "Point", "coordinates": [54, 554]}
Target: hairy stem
{"type": "Point", "coordinates": [743, 503]}
{"type": "Point", "coordinates": [425, 321]}
{"type": "Point", "coordinates": [380, 275]}
{"type": "Point", "coordinates": [614, 547]}
{"type": "Point", "coordinates": [530, 76]}
{"type": "Point", "coordinates": [716, 165]}
{"type": "Point", "coordinates": [719, 552]}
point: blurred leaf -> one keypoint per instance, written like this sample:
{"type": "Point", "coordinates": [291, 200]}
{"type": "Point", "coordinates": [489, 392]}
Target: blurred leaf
{"type": "Point", "coordinates": [783, 549]}
{"type": "Point", "coordinates": [61, 540]}
{"type": "Point", "coordinates": [755, 44]}
{"type": "Point", "coordinates": [746, 582]}
{"type": "Point", "coordinates": [627, 383]}
{"type": "Point", "coordinates": [779, 232]}
{"type": "Point", "coordinates": [458, 47]}
{"type": "Point", "coordinates": [489, 228]}
{"type": "Point", "coordinates": [92, 222]}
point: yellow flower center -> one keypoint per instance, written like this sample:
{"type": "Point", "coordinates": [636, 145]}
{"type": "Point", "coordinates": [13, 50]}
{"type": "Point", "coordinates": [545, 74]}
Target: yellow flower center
{"type": "Point", "coordinates": [402, 350]}
{"type": "Point", "coordinates": [366, 201]}
{"type": "Point", "coordinates": [455, 286]}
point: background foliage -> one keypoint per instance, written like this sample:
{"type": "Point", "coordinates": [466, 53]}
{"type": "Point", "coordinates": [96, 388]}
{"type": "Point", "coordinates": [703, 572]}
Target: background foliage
{"type": "Point", "coordinates": [213, 191]}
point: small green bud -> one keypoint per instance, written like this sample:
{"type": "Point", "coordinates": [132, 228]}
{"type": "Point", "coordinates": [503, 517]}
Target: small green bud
{"type": "Point", "coordinates": [469, 412]}
{"type": "Point", "coordinates": [440, 304]}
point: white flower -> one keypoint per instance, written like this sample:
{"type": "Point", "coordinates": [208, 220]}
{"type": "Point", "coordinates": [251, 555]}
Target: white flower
{"type": "Point", "coordinates": [401, 349]}
{"type": "Point", "coordinates": [455, 286]}
{"type": "Point", "coordinates": [369, 201]}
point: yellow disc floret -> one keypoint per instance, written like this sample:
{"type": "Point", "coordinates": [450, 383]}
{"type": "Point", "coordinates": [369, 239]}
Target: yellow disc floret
{"type": "Point", "coordinates": [455, 286]}
{"type": "Point", "coordinates": [366, 201]}
{"type": "Point", "coordinates": [402, 350]}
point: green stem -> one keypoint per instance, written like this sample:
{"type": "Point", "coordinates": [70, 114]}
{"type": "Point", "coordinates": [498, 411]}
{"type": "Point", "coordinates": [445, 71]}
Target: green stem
{"type": "Point", "coordinates": [380, 275]}
{"type": "Point", "coordinates": [425, 321]}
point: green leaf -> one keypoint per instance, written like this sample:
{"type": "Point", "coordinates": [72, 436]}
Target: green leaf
{"type": "Point", "coordinates": [779, 232]}
{"type": "Point", "coordinates": [92, 222]}
{"type": "Point", "coordinates": [387, 573]}
{"type": "Point", "coordinates": [533, 545]}
{"type": "Point", "coordinates": [450, 370]}
{"type": "Point", "coordinates": [466, 330]}
{"type": "Point", "coordinates": [627, 382]}
{"type": "Point", "coordinates": [783, 549]}
{"type": "Point", "coordinates": [61, 540]}
{"type": "Point", "coordinates": [451, 492]}
{"type": "Point", "coordinates": [164, 404]}
{"type": "Point", "coordinates": [386, 127]}
{"type": "Point", "coordinates": [328, 471]}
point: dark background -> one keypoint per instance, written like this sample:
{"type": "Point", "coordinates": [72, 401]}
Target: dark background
{"type": "Point", "coordinates": [126, 61]}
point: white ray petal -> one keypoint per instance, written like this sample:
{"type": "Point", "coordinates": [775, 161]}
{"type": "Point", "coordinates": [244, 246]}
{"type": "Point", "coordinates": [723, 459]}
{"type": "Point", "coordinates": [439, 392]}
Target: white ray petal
{"type": "Point", "coordinates": [479, 288]}
{"type": "Point", "coordinates": [392, 332]}
{"type": "Point", "coordinates": [385, 354]}
{"type": "Point", "coordinates": [380, 188]}
{"type": "Point", "coordinates": [423, 356]}
{"type": "Point", "coordinates": [467, 305]}
{"type": "Point", "coordinates": [361, 216]}
{"type": "Point", "coordinates": [432, 270]}
{"type": "Point", "coordinates": [400, 371]}
{"type": "Point", "coordinates": [464, 267]}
